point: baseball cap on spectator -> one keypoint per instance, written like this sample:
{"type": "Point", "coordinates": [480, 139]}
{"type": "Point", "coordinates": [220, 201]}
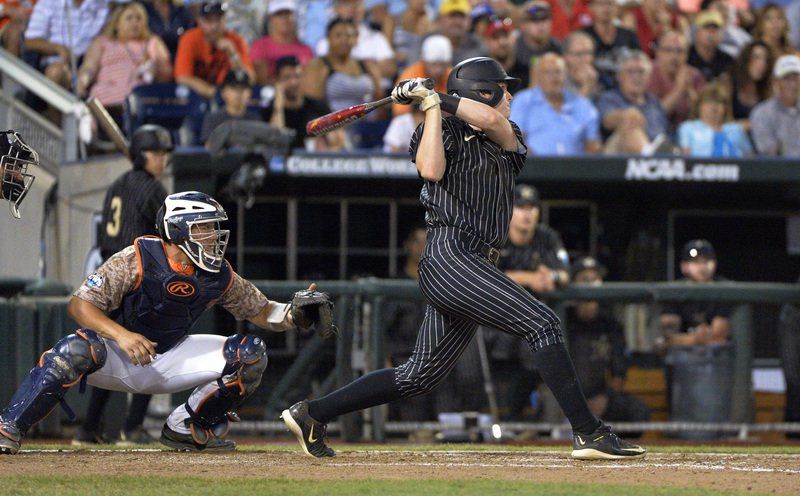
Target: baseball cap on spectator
{"type": "Point", "coordinates": [588, 263]}
{"type": "Point", "coordinates": [481, 10]}
{"type": "Point", "coordinates": [454, 7]}
{"type": "Point", "coordinates": [525, 194]}
{"type": "Point", "coordinates": [276, 6]}
{"type": "Point", "coordinates": [538, 11]}
{"type": "Point", "coordinates": [498, 24]}
{"type": "Point", "coordinates": [709, 18]}
{"type": "Point", "coordinates": [437, 48]}
{"type": "Point", "coordinates": [697, 248]}
{"type": "Point", "coordinates": [237, 77]}
{"type": "Point", "coordinates": [786, 65]}
{"type": "Point", "coordinates": [213, 8]}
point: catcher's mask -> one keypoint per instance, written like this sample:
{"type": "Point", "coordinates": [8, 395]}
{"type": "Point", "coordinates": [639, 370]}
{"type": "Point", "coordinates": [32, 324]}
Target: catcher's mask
{"type": "Point", "coordinates": [14, 161]}
{"type": "Point", "coordinates": [191, 220]}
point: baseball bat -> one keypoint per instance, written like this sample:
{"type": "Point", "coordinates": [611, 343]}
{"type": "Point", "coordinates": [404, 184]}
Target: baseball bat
{"type": "Point", "coordinates": [341, 118]}
{"type": "Point", "coordinates": [108, 124]}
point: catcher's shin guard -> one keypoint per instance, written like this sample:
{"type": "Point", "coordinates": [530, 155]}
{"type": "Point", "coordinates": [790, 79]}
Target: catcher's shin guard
{"type": "Point", "coordinates": [60, 368]}
{"type": "Point", "coordinates": [210, 406]}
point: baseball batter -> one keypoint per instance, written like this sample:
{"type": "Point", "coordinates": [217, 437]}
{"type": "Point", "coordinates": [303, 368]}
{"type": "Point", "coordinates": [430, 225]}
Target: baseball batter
{"type": "Point", "coordinates": [135, 313]}
{"type": "Point", "coordinates": [15, 158]}
{"type": "Point", "coordinates": [469, 162]}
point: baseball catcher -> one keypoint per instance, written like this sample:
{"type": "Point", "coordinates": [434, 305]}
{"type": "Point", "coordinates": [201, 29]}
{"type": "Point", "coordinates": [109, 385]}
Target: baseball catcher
{"type": "Point", "coordinates": [135, 313]}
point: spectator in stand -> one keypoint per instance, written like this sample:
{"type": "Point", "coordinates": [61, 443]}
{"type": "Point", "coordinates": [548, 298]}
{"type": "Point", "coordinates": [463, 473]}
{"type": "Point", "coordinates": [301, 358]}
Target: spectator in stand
{"type": "Point", "coordinates": [597, 342]}
{"type": "Point", "coordinates": [568, 16]}
{"type": "Point", "coordinates": [59, 30]}
{"type": "Point", "coordinates": [14, 15]}
{"type": "Point", "coordinates": [697, 322]}
{"type": "Point", "coordinates": [535, 33]}
{"type": "Point", "coordinates": [705, 54]}
{"type": "Point", "coordinates": [649, 20]}
{"type": "Point", "coordinates": [499, 41]}
{"type": "Point", "coordinates": [454, 23]}
{"type": "Point", "coordinates": [208, 52]}
{"type": "Point", "coordinates": [610, 40]}
{"type": "Point", "coordinates": [435, 63]}
{"type": "Point", "coordinates": [553, 120]}
{"type": "Point", "coordinates": [281, 41]}
{"type": "Point", "coordinates": [480, 16]}
{"type": "Point", "coordinates": [338, 78]}
{"type": "Point", "coordinates": [371, 45]}
{"type": "Point", "coordinates": [775, 123]}
{"type": "Point", "coordinates": [378, 18]}
{"type": "Point", "coordinates": [168, 21]}
{"type": "Point", "coordinates": [772, 28]}
{"type": "Point", "coordinates": [123, 56]}
{"type": "Point", "coordinates": [673, 81]}
{"type": "Point", "coordinates": [401, 129]}
{"type": "Point", "coordinates": [582, 77]}
{"type": "Point", "coordinates": [235, 92]}
{"type": "Point", "coordinates": [712, 132]}
{"type": "Point", "coordinates": [292, 110]}
{"type": "Point", "coordinates": [411, 27]}
{"type": "Point", "coordinates": [750, 80]}
{"type": "Point", "coordinates": [734, 38]}
{"type": "Point", "coordinates": [632, 116]}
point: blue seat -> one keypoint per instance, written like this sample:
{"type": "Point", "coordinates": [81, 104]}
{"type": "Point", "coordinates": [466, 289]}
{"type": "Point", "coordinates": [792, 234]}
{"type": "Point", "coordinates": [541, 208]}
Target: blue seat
{"type": "Point", "coordinates": [176, 107]}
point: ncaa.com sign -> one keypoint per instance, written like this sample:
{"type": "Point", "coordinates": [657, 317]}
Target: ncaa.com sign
{"type": "Point", "coordinates": [675, 169]}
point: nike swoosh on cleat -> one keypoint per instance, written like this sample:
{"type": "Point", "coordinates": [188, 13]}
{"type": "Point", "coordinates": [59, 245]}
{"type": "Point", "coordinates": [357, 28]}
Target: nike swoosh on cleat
{"type": "Point", "coordinates": [311, 436]}
{"type": "Point", "coordinates": [581, 441]}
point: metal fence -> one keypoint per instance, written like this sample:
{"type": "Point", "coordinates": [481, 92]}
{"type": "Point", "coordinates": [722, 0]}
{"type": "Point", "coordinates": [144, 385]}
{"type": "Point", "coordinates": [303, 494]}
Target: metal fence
{"type": "Point", "coordinates": [30, 325]}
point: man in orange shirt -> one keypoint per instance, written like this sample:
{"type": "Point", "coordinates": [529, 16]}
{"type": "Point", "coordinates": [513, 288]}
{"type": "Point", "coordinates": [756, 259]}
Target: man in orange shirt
{"type": "Point", "coordinates": [206, 53]}
{"type": "Point", "coordinates": [435, 62]}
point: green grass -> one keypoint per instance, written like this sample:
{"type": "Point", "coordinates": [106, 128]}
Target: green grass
{"type": "Point", "coordinates": [734, 449]}
{"type": "Point", "coordinates": [183, 486]}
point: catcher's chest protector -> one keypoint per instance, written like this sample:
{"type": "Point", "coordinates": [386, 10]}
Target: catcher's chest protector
{"type": "Point", "coordinates": [165, 303]}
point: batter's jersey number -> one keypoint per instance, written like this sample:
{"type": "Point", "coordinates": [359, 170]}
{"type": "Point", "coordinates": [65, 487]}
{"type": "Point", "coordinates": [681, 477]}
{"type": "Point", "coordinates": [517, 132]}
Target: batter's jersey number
{"type": "Point", "coordinates": [114, 224]}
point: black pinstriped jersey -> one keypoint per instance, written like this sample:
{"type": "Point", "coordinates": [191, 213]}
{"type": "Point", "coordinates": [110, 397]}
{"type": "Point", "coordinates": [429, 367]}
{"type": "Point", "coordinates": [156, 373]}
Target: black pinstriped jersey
{"type": "Point", "coordinates": [476, 193]}
{"type": "Point", "coordinates": [129, 211]}
{"type": "Point", "coordinates": [546, 248]}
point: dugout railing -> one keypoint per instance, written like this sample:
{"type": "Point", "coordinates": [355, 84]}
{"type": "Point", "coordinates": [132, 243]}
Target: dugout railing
{"type": "Point", "coordinates": [31, 324]}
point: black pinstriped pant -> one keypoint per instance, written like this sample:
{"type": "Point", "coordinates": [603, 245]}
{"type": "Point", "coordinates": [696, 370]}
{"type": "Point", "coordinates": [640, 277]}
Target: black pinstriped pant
{"type": "Point", "coordinates": [464, 290]}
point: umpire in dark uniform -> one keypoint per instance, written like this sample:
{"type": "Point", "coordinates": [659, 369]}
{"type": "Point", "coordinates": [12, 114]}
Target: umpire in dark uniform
{"type": "Point", "coordinates": [469, 162]}
{"type": "Point", "coordinates": [129, 211]}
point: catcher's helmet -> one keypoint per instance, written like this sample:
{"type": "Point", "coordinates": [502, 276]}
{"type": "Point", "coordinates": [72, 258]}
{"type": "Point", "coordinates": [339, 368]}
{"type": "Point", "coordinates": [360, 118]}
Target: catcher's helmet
{"type": "Point", "coordinates": [191, 220]}
{"type": "Point", "coordinates": [477, 74]}
{"type": "Point", "coordinates": [148, 137]}
{"type": "Point", "coordinates": [15, 157]}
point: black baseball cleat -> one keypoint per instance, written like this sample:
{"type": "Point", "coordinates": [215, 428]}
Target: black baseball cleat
{"type": "Point", "coordinates": [309, 432]}
{"type": "Point", "coordinates": [603, 444]}
{"type": "Point", "coordinates": [9, 438]}
{"type": "Point", "coordinates": [84, 437]}
{"type": "Point", "coordinates": [186, 442]}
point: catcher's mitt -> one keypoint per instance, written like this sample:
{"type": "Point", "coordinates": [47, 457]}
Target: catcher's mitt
{"type": "Point", "coordinates": [313, 310]}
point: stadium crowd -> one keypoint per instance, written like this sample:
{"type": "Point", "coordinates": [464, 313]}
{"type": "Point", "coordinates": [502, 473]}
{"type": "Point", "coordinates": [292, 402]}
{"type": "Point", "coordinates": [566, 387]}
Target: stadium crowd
{"type": "Point", "coordinates": [711, 78]}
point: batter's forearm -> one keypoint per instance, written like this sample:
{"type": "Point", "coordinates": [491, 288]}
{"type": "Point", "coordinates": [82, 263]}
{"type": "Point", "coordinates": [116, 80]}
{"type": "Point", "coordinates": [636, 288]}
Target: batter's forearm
{"type": "Point", "coordinates": [489, 120]}
{"type": "Point", "coordinates": [430, 158]}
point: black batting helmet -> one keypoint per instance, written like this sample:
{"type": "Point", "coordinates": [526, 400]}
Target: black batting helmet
{"type": "Point", "coordinates": [470, 77]}
{"type": "Point", "coordinates": [148, 137]}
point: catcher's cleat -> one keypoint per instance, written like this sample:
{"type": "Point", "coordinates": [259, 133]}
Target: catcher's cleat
{"type": "Point", "coordinates": [186, 442]}
{"type": "Point", "coordinates": [603, 444]}
{"type": "Point", "coordinates": [9, 439]}
{"type": "Point", "coordinates": [309, 432]}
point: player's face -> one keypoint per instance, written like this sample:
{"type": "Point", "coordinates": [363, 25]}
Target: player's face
{"type": "Point", "coordinates": [156, 161]}
{"type": "Point", "coordinates": [205, 234]}
{"type": "Point", "coordinates": [700, 269]}
{"type": "Point", "coordinates": [504, 105]}
{"type": "Point", "coordinates": [589, 276]}
{"type": "Point", "coordinates": [525, 217]}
